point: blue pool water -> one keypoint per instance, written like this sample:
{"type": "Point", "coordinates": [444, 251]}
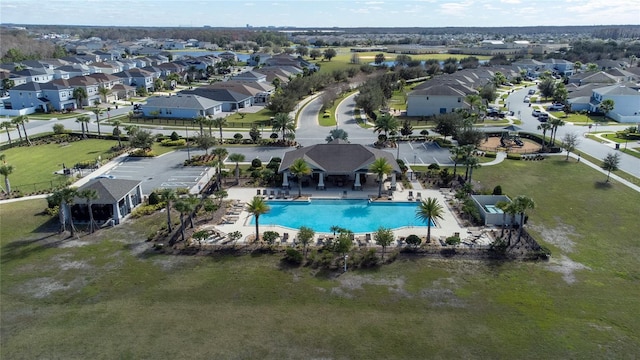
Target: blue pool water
{"type": "Point", "coordinates": [356, 215]}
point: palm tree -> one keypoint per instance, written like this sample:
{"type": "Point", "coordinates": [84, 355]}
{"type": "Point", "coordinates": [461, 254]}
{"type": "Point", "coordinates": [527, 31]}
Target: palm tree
{"type": "Point", "coordinates": [457, 153]}
{"type": "Point", "coordinates": [7, 125]}
{"type": "Point", "coordinates": [98, 111]}
{"type": "Point", "coordinates": [104, 92]}
{"type": "Point", "coordinates": [84, 122]}
{"type": "Point", "coordinates": [220, 153]}
{"type": "Point", "coordinates": [89, 195]}
{"type": "Point", "coordinates": [522, 203]}
{"type": "Point", "coordinates": [606, 106]}
{"type": "Point", "coordinates": [474, 101]}
{"type": "Point", "coordinates": [380, 167]}
{"type": "Point", "coordinates": [184, 207]}
{"type": "Point", "coordinates": [544, 127]}
{"type": "Point", "coordinates": [116, 131]}
{"type": "Point", "coordinates": [168, 195]}
{"type": "Point", "coordinates": [80, 94]}
{"type": "Point", "coordinates": [21, 120]}
{"type": "Point", "coordinates": [257, 206]}
{"type": "Point", "coordinates": [502, 205]}
{"type": "Point", "coordinates": [209, 123]}
{"type": "Point", "coordinates": [471, 162]}
{"type": "Point", "coordinates": [6, 170]}
{"type": "Point", "coordinates": [283, 122]}
{"type": "Point", "coordinates": [219, 122]}
{"type": "Point", "coordinates": [387, 123]}
{"type": "Point", "coordinates": [65, 199]}
{"type": "Point", "coordinates": [237, 158]}
{"type": "Point", "coordinates": [16, 121]}
{"type": "Point", "coordinates": [200, 121]}
{"type": "Point", "coordinates": [428, 211]}
{"type": "Point", "coordinates": [555, 123]}
{"type": "Point", "coordinates": [299, 168]}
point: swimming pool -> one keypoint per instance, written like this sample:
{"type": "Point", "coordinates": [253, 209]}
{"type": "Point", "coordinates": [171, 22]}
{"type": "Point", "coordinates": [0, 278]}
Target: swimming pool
{"type": "Point", "coordinates": [356, 215]}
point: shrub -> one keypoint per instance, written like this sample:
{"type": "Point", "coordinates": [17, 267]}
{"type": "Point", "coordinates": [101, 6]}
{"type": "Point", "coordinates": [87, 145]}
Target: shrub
{"type": "Point", "coordinates": [453, 240]}
{"type": "Point", "coordinates": [154, 198]}
{"type": "Point", "coordinates": [58, 129]}
{"type": "Point", "coordinates": [238, 136]}
{"type": "Point", "coordinates": [175, 136]}
{"type": "Point", "coordinates": [270, 236]}
{"type": "Point", "coordinates": [169, 142]}
{"type": "Point", "coordinates": [497, 190]}
{"type": "Point", "coordinates": [256, 163]}
{"type": "Point", "coordinates": [413, 240]}
{"type": "Point", "coordinates": [490, 154]}
{"type": "Point", "coordinates": [293, 256]}
{"type": "Point", "coordinates": [369, 259]}
{"type": "Point", "coordinates": [142, 153]}
{"type": "Point", "coordinates": [144, 210]}
{"type": "Point", "coordinates": [514, 156]}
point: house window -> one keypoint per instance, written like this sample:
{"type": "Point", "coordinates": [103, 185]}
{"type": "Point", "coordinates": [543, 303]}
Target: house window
{"type": "Point", "coordinates": [443, 110]}
{"type": "Point", "coordinates": [459, 99]}
{"type": "Point", "coordinates": [427, 98]}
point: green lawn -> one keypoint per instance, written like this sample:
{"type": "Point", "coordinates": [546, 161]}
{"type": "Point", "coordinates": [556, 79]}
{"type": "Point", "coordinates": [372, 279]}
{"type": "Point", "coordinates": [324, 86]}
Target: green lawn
{"type": "Point", "coordinates": [107, 299]}
{"type": "Point", "coordinates": [34, 166]}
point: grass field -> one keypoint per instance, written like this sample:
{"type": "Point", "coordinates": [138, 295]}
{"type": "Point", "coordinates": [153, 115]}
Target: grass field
{"type": "Point", "coordinates": [38, 164]}
{"type": "Point", "coordinates": [105, 297]}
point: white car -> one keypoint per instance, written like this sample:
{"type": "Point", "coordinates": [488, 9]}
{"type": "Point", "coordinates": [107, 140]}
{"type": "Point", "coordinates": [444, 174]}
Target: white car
{"type": "Point", "coordinates": [527, 99]}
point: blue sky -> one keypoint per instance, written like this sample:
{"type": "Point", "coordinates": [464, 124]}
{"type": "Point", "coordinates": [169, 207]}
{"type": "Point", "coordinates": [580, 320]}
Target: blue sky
{"type": "Point", "coordinates": [321, 13]}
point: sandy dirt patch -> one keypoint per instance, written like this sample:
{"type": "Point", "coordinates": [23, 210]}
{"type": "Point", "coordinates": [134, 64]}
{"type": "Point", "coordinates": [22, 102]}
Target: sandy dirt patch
{"type": "Point", "coordinates": [566, 267]}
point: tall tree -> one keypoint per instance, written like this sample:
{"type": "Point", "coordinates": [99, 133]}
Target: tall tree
{"type": "Point", "coordinates": [555, 123]}
{"type": "Point", "coordinates": [569, 142]}
{"type": "Point", "coordinates": [471, 163]}
{"type": "Point", "coordinates": [387, 123]}
{"type": "Point", "coordinates": [205, 142]}
{"type": "Point", "coordinates": [84, 124]}
{"type": "Point", "coordinates": [98, 111]}
{"type": "Point", "coordinates": [474, 101]}
{"type": "Point", "coordinates": [237, 158]}
{"type": "Point", "coordinates": [116, 131]}
{"type": "Point", "coordinates": [305, 234]}
{"type": "Point", "coordinates": [220, 153]}
{"type": "Point", "coordinates": [380, 167]}
{"type": "Point", "coordinates": [547, 87]}
{"type": "Point", "coordinates": [89, 195]}
{"type": "Point", "coordinates": [104, 92]}
{"type": "Point", "coordinates": [7, 125]}
{"type": "Point", "coordinates": [257, 206]}
{"type": "Point", "coordinates": [299, 168]}
{"type": "Point", "coordinates": [283, 122]}
{"type": "Point", "coordinates": [16, 121]}
{"type": "Point", "coordinates": [22, 120]}
{"type": "Point", "coordinates": [200, 120]}
{"type": "Point", "coordinates": [384, 238]}
{"type": "Point", "coordinates": [337, 134]}
{"type": "Point", "coordinates": [611, 163]}
{"type": "Point", "coordinates": [523, 203]}
{"type": "Point", "coordinates": [184, 207]}
{"type": "Point", "coordinates": [6, 170]}
{"type": "Point", "coordinates": [65, 199]}
{"type": "Point", "coordinates": [545, 127]}
{"type": "Point", "coordinates": [329, 54]}
{"type": "Point", "coordinates": [168, 195]}
{"type": "Point", "coordinates": [458, 153]}
{"type": "Point", "coordinates": [428, 211]}
{"type": "Point", "coordinates": [220, 122]}
{"type": "Point", "coordinates": [80, 94]}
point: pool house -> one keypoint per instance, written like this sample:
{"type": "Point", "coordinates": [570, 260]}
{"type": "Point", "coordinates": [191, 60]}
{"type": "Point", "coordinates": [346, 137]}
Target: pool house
{"type": "Point", "coordinates": [489, 212]}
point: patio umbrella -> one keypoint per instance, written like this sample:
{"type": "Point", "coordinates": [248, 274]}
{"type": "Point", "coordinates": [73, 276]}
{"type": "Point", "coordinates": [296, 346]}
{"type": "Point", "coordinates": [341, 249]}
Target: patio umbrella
{"type": "Point", "coordinates": [512, 128]}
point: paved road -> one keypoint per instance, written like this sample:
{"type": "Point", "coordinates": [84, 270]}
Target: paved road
{"type": "Point", "coordinates": [598, 150]}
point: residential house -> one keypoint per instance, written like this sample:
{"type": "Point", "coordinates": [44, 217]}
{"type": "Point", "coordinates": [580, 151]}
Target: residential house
{"type": "Point", "coordinates": [33, 75]}
{"type": "Point", "coordinates": [90, 85]}
{"type": "Point", "coordinates": [435, 97]}
{"type": "Point", "coordinates": [42, 97]}
{"type": "Point", "coordinates": [231, 100]}
{"type": "Point", "coordinates": [559, 66]}
{"type": "Point", "coordinates": [182, 106]}
{"type": "Point", "coordinates": [108, 81]}
{"type": "Point", "coordinates": [110, 67]}
{"type": "Point", "coordinates": [599, 77]}
{"type": "Point", "coordinates": [259, 91]}
{"type": "Point", "coordinates": [137, 78]}
{"type": "Point", "coordinates": [229, 56]}
{"type": "Point", "coordinates": [625, 98]}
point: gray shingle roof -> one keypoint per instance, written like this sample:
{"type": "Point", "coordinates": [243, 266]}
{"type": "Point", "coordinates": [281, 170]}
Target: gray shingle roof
{"type": "Point", "coordinates": [109, 190]}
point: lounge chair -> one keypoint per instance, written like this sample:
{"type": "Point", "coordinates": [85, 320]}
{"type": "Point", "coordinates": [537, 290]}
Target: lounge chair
{"type": "Point", "coordinates": [367, 238]}
{"type": "Point", "coordinates": [279, 196]}
{"type": "Point", "coordinates": [258, 192]}
{"type": "Point", "coordinates": [264, 194]}
{"type": "Point", "coordinates": [390, 195]}
{"type": "Point", "coordinates": [410, 197]}
{"type": "Point", "coordinates": [272, 194]}
{"type": "Point", "coordinates": [418, 196]}
{"type": "Point", "coordinates": [285, 238]}
{"type": "Point", "coordinates": [286, 194]}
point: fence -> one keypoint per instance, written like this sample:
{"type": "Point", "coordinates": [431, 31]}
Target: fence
{"type": "Point", "coordinates": [39, 186]}
{"type": "Point", "coordinates": [192, 124]}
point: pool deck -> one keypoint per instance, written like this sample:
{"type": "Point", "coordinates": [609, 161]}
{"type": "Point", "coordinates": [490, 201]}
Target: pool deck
{"type": "Point", "coordinates": [448, 226]}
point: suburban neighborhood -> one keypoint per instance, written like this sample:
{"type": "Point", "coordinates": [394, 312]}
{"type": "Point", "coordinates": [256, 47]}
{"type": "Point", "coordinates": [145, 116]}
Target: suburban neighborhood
{"type": "Point", "coordinates": [266, 192]}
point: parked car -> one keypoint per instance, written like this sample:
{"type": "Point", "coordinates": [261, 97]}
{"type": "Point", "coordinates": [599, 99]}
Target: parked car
{"type": "Point", "coordinates": [527, 99]}
{"type": "Point", "coordinates": [543, 117]}
{"type": "Point", "coordinates": [536, 113]}
{"type": "Point", "coordinates": [532, 91]}
{"type": "Point", "coordinates": [555, 107]}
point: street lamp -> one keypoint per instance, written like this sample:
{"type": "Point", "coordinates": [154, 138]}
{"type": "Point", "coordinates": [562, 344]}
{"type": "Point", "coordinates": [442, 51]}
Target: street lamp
{"type": "Point", "coordinates": [345, 262]}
